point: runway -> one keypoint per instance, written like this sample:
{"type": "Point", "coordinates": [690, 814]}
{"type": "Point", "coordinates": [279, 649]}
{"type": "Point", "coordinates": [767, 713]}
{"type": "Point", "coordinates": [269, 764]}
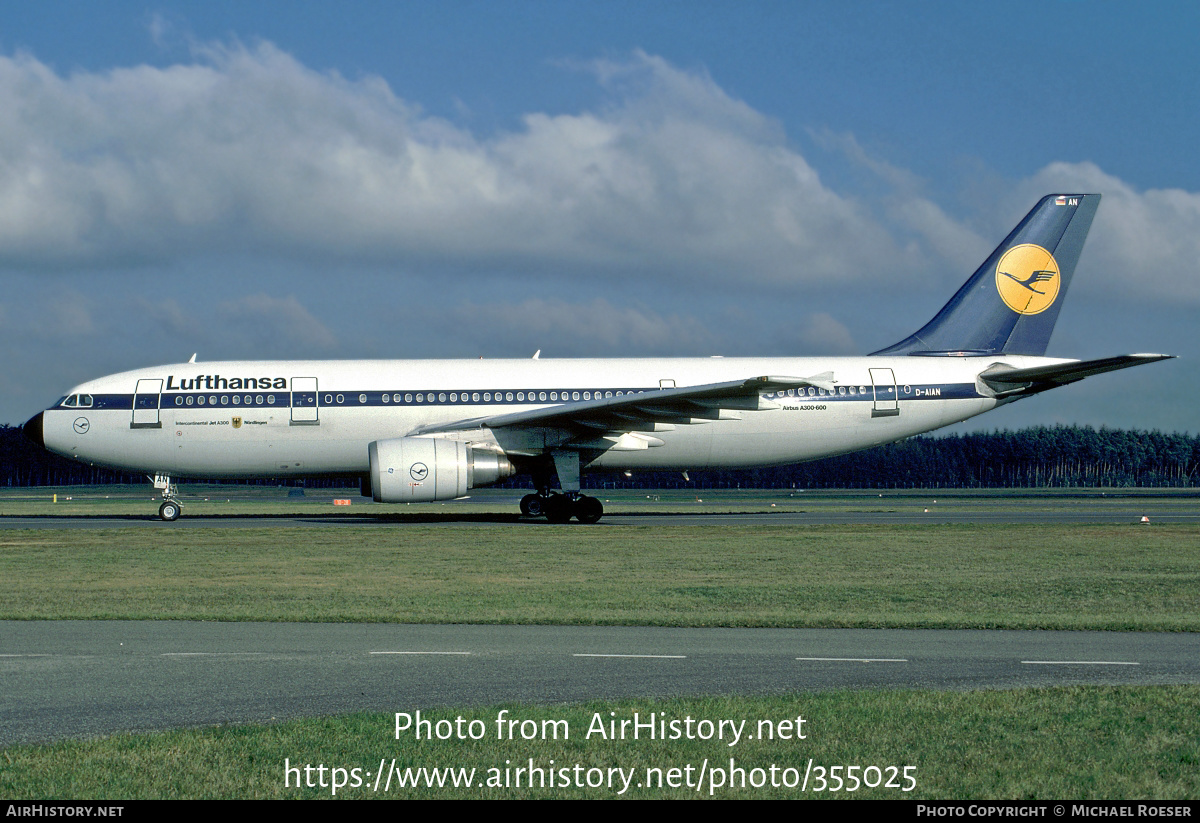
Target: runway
{"type": "Point", "coordinates": [915, 516]}
{"type": "Point", "coordinates": [769, 507]}
{"type": "Point", "coordinates": [70, 679]}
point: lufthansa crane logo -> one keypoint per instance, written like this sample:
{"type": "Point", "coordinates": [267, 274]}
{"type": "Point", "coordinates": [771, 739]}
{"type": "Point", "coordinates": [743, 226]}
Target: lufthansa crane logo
{"type": "Point", "coordinates": [418, 471]}
{"type": "Point", "coordinates": [1027, 278]}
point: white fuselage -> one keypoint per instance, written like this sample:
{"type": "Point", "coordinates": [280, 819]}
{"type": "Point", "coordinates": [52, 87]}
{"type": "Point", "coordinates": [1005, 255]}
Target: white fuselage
{"type": "Point", "coordinates": [288, 418]}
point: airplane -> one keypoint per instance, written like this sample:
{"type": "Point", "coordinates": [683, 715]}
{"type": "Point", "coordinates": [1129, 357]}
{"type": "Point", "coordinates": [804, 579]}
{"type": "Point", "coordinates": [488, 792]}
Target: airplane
{"type": "Point", "coordinates": [428, 430]}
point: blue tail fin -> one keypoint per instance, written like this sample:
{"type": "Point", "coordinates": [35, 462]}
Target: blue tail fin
{"type": "Point", "coordinates": [1011, 302]}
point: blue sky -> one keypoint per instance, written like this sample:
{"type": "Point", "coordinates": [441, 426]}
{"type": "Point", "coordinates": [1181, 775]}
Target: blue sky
{"type": "Point", "coordinates": [310, 179]}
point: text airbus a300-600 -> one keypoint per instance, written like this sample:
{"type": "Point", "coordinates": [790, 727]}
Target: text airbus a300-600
{"type": "Point", "coordinates": [426, 430]}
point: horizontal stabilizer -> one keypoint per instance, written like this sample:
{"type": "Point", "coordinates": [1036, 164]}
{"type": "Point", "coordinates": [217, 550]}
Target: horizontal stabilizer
{"type": "Point", "coordinates": [1007, 381]}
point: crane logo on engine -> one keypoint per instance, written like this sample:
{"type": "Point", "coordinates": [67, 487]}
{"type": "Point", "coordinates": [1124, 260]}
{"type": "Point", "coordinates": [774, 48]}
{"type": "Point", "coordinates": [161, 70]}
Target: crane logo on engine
{"type": "Point", "coordinates": [419, 471]}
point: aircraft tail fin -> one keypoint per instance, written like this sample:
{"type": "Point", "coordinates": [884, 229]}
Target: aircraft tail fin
{"type": "Point", "coordinates": [1011, 302]}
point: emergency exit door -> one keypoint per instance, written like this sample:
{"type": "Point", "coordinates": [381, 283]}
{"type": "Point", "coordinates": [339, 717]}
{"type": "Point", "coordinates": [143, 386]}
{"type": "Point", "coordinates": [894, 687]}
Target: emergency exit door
{"type": "Point", "coordinates": [145, 405]}
{"type": "Point", "coordinates": [887, 398]}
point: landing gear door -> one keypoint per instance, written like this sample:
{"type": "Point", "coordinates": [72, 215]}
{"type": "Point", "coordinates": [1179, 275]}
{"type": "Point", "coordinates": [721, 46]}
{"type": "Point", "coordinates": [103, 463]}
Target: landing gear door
{"type": "Point", "coordinates": [887, 399]}
{"type": "Point", "coordinates": [145, 405]}
{"type": "Point", "coordinates": [304, 401]}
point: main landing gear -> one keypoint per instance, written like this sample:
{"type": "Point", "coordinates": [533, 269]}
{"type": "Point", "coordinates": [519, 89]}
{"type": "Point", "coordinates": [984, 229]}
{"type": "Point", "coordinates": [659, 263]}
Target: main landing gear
{"type": "Point", "coordinates": [561, 507]}
{"type": "Point", "coordinates": [171, 508]}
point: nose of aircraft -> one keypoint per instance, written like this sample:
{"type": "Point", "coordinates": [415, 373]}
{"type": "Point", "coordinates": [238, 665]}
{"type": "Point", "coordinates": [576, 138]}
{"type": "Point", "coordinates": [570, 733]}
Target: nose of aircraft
{"type": "Point", "coordinates": [33, 430]}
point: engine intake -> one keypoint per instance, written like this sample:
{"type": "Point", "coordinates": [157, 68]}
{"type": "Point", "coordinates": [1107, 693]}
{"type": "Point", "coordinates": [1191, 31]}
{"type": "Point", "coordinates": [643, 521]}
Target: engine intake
{"type": "Point", "coordinates": [423, 469]}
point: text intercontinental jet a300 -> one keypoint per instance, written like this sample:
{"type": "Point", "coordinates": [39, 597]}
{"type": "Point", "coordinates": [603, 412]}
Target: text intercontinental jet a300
{"type": "Point", "coordinates": [424, 430]}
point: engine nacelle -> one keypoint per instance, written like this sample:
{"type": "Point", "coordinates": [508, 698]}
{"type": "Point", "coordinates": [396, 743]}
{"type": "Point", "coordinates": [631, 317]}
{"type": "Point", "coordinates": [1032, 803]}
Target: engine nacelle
{"type": "Point", "coordinates": [422, 469]}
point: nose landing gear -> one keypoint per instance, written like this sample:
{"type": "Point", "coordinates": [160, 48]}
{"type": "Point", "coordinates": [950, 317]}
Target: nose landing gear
{"type": "Point", "coordinates": [170, 509]}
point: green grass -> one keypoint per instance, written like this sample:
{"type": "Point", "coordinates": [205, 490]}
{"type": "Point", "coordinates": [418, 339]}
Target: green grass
{"type": "Point", "coordinates": [949, 576]}
{"type": "Point", "coordinates": [475, 562]}
{"type": "Point", "coordinates": [1063, 743]}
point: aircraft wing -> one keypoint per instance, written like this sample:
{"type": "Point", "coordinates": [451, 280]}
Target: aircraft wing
{"type": "Point", "coordinates": [643, 411]}
{"type": "Point", "coordinates": [1006, 381]}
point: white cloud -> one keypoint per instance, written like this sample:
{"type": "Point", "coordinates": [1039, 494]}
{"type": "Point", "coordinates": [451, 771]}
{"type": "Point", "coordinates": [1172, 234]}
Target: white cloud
{"type": "Point", "coordinates": [247, 149]}
{"type": "Point", "coordinates": [1142, 244]}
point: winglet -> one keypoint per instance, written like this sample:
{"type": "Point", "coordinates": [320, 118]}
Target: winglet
{"type": "Point", "coordinates": [1011, 302]}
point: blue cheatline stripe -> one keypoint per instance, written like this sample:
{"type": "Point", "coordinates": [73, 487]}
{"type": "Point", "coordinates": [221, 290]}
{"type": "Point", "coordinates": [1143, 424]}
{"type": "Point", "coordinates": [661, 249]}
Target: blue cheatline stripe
{"type": "Point", "coordinates": [491, 397]}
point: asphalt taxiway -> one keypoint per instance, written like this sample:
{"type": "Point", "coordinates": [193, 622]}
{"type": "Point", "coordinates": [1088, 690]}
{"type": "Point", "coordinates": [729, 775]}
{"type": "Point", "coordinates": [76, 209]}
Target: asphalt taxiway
{"type": "Point", "coordinates": [70, 679]}
{"type": "Point", "coordinates": [912, 516]}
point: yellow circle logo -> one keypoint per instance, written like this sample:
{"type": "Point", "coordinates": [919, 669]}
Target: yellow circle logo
{"type": "Point", "coordinates": [1027, 279]}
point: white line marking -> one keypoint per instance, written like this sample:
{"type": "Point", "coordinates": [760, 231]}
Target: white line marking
{"type": "Point", "coordinates": [650, 656]}
{"type": "Point", "coordinates": [458, 653]}
{"type": "Point", "coordinates": [211, 654]}
{"type": "Point", "coordinates": [1079, 663]}
{"type": "Point", "coordinates": [25, 655]}
{"type": "Point", "coordinates": [857, 659]}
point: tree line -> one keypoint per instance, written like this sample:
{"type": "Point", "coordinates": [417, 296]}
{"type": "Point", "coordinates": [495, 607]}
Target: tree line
{"type": "Point", "coordinates": [1038, 457]}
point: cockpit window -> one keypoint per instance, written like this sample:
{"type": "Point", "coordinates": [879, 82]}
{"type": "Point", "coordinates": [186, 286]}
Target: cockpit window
{"type": "Point", "coordinates": [85, 400]}
{"type": "Point", "coordinates": [72, 401]}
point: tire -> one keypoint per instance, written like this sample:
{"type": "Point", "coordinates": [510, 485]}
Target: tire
{"type": "Point", "coordinates": [533, 505]}
{"type": "Point", "coordinates": [558, 508]}
{"type": "Point", "coordinates": [169, 511]}
{"type": "Point", "coordinates": [588, 510]}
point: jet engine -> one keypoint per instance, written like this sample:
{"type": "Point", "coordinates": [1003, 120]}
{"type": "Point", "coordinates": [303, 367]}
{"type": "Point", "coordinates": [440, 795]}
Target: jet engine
{"type": "Point", "coordinates": [421, 469]}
